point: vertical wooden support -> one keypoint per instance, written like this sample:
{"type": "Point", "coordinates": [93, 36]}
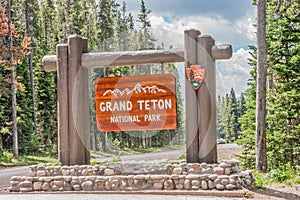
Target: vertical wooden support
{"type": "Point", "coordinates": [192, 137]}
{"type": "Point", "coordinates": [62, 104]}
{"type": "Point", "coordinates": [83, 96]}
{"type": "Point", "coordinates": [79, 151]}
{"type": "Point", "coordinates": [207, 102]}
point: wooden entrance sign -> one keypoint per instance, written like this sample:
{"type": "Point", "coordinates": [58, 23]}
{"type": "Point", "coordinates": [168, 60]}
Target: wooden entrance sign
{"type": "Point", "coordinates": [136, 103]}
{"type": "Point", "coordinates": [72, 63]}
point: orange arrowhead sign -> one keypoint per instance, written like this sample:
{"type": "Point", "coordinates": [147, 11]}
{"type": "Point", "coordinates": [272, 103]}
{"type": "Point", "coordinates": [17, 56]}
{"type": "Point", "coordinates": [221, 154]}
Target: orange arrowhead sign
{"type": "Point", "coordinates": [195, 75]}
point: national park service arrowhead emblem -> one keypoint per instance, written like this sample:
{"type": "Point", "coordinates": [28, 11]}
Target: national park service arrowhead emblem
{"type": "Point", "coordinates": [195, 75]}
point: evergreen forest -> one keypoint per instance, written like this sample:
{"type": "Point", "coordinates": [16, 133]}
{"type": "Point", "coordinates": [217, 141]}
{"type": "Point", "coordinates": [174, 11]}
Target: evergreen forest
{"type": "Point", "coordinates": [31, 29]}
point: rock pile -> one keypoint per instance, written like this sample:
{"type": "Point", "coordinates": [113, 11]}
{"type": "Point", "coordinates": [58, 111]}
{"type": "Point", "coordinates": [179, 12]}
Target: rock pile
{"type": "Point", "coordinates": [144, 176]}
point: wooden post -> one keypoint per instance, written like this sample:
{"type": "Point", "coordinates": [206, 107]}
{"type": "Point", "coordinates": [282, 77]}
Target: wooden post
{"type": "Point", "coordinates": [77, 99]}
{"type": "Point", "coordinates": [192, 137]}
{"type": "Point", "coordinates": [62, 104]}
{"type": "Point", "coordinates": [206, 97]}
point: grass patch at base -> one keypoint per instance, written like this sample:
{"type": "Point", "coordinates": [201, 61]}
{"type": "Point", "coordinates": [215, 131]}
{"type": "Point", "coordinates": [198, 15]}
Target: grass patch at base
{"type": "Point", "coordinates": [29, 159]}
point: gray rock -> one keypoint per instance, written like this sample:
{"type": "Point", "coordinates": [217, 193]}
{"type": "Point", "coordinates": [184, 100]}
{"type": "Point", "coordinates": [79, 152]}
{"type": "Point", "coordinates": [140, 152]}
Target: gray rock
{"type": "Point", "coordinates": [77, 187]}
{"type": "Point", "coordinates": [84, 172]}
{"type": "Point", "coordinates": [187, 185]}
{"type": "Point", "coordinates": [169, 184]}
{"type": "Point", "coordinates": [227, 171]}
{"type": "Point", "coordinates": [204, 185]}
{"type": "Point", "coordinates": [25, 184]}
{"type": "Point", "coordinates": [41, 173]}
{"type": "Point", "coordinates": [230, 187]}
{"type": "Point", "coordinates": [220, 187]}
{"type": "Point", "coordinates": [219, 170]}
{"type": "Point", "coordinates": [207, 171]}
{"type": "Point", "coordinates": [217, 181]}
{"type": "Point", "coordinates": [211, 184]}
{"type": "Point", "coordinates": [109, 172]}
{"type": "Point", "coordinates": [14, 178]}
{"type": "Point", "coordinates": [224, 181]}
{"type": "Point", "coordinates": [195, 183]}
{"type": "Point", "coordinates": [179, 186]}
{"type": "Point", "coordinates": [58, 183]}
{"type": "Point", "coordinates": [177, 170]}
{"type": "Point", "coordinates": [25, 189]}
{"type": "Point", "coordinates": [55, 188]}
{"type": "Point", "coordinates": [45, 186]}
{"type": "Point", "coordinates": [65, 172]}
{"type": "Point", "coordinates": [37, 186]}
{"type": "Point", "coordinates": [232, 181]}
{"type": "Point", "coordinates": [212, 177]}
{"type": "Point", "coordinates": [158, 185]}
{"type": "Point", "coordinates": [67, 186]}
{"type": "Point", "coordinates": [87, 186]}
{"type": "Point", "coordinates": [223, 165]}
{"type": "Point", "coordinates": [195, 187]}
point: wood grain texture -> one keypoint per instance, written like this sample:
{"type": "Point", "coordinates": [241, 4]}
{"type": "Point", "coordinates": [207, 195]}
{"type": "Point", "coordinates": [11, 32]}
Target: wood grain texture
{"type": "Point", "coordinates": [78, 151]}
{"type": "Point", "coordinates": [192, 138]}
{"type": "Point", "coordinates": [143, 96]}
{"type": "Point", "coordinates": [110, 59]}
{"type": "Point", "coordinates": [207, 102]}
{"type": "Point", "coordinates": [62, 104]}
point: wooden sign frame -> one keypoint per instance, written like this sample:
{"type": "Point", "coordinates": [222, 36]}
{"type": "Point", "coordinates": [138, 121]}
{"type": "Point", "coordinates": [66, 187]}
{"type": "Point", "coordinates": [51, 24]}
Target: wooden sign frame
{"type": "Point", "coordinates": [72, 62]}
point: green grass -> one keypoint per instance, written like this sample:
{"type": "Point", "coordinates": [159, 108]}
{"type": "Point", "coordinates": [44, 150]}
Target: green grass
{"type": "Point", "coordinates": [286, 175]}
{"type": "Point", "coordinates": [7, 160]}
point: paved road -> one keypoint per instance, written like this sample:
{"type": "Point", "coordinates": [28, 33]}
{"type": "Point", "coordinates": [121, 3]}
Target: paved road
{"type": "Point", "coordinates": [6, 173]}
{"type": "Point", "coordinates": [104, 197]}
{"type": "Point", "coordinates": [167, 155]}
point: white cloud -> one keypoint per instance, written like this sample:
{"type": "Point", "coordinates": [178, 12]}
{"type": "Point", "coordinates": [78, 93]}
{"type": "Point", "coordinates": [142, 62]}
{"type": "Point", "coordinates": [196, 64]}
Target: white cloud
{"type": "Point", "coordinates": [233, 72]}
{"type": "Point", "coordinates": [238, 33]}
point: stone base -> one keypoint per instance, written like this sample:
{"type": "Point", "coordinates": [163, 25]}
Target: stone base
{"type": "Point", "coordinates": [180, 176]}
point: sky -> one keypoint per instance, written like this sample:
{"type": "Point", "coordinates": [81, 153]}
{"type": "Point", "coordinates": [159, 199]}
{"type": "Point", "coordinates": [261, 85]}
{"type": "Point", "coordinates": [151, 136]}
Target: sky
{"type": "Point", "coordinates": [227, 21]}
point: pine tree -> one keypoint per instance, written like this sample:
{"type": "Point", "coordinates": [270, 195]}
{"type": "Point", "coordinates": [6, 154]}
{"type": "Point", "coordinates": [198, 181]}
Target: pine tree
{"type": "Point", "coordinates": [283, 61]}
{"type": "Point", "coordinates": [45, 81]}
{"type": "Point", "coordinates": [283, 43]}
{"type": "Point", "coordinates": [13, 50]}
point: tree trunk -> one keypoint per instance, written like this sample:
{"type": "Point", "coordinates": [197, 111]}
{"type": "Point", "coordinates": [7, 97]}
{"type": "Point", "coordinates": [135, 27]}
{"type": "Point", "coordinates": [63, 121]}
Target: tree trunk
{"type": "Point", "coordinates": [13, 86]}
{"type": "Point", "coordinates": [261, 158]}
{"type": "Point", "coordinates": [31, 70]}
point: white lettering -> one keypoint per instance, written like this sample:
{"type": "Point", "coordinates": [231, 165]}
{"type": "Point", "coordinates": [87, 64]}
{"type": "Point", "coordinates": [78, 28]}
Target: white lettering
{"type": "Point", "coordinates": [168, 104]}
{"type": "Point", "coordinates": [147, 105]}
{"type": "Point", "coordinates": [122, 105]}
{"type": "Point", "coordinates": [161, 104]}
{"type": "Point", "coordinates": [141, 104]}
{"type": "Point", "coordinates": [116, 106]}
{"type": "Point", "coordinates": [124, 119]}
{"type": "Point", "coordinates": [154, 101]}
{"type": "Point", "coordinates": [102, 108]}
{"type": "Point", "coordinates": [152, 118]}
{"type": "Point", "coordinates": [129, 105]}
{"type": "Point", "coordinates": [108, 106]}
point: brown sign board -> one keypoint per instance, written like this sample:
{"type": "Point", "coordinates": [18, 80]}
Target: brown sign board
{"type": "Point", "coordinates": [130, 103]}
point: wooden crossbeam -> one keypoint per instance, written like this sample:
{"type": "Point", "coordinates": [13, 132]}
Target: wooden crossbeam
{"type": "Point", "coordinates": [109, 59]}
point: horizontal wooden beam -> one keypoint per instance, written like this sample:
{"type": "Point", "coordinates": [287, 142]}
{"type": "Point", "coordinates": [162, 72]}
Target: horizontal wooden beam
{"type": "Point", "coordinates": [49, 63]}
{"type": "Point", "coordinates": [223, 51]}
{"type": "Point", "coordinates": [108, 59]}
